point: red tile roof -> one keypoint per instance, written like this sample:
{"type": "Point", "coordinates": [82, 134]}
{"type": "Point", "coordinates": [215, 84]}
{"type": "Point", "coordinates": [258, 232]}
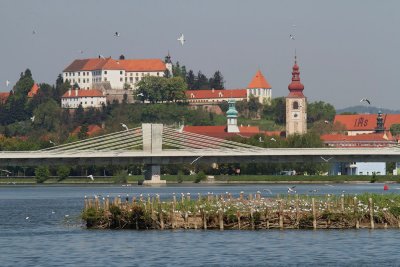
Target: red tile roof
{"type": "Point", "coordinates": [4, 96]}
{"type": "Point", "coordinates": [259, 81]}
{"type": "Point", "coordinates": [363, 140]}
{"type": "Point", "coordinates": [34, 90]}
{"type": "Point", "coordinates": [220, 131]}
{"type": "Point", "coordinates": [92, 129]}
{"type": "Point", "coordinates": [82, 93]}
{"type": "Point", "coordinates": [366, 122]}
{"type": "Point", "coordinates": [113, 64]}
{"type": "Point", "coordinates": [215, 94]}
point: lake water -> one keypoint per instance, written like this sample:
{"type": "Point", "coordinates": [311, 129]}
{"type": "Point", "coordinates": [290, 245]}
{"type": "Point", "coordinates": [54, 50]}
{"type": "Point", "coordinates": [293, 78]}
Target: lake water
{"type": "Point", "coordinates": [40, 226]}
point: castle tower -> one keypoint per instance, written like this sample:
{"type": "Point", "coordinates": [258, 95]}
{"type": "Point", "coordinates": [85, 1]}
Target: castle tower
{"type": "Point", "coordinates": [168, 64]}
{"type": "Point", "coordinates": [259, 88]}
{"type": "Point", "coordinates": [232, 115]}
{"type": "Point", "coordinates": [379, 123]}
{"type": "Point", "coordinates": [296, 105]}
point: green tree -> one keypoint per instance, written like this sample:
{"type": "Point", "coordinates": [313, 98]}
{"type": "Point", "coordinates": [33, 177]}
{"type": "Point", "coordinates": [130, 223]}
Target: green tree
{"type": "Point", "coordinates": [276, 111]}
{"type": "Point", "coordinates": [42, 173]}
{"type": "Point", "coordinates": [201, 82]}
{"type": "Point", "coordinates": [83, 133]}
{"type": "Point", "coordinates": [395, 129]}
{"type": "Point", "coordinates": [174, 89]}
{"type": "Point", "coordinates": [63, 172]}
{"type": "Point", "coordinates": [320, 110]}
{"type": "Point", "coordinates": [190, 80]}
{"type": "Point", "coordinates": [47, 115]}
{"type": "Point", "coordinates": [150, 88]}
{"type": "Point", "coordinates": [217, 81]}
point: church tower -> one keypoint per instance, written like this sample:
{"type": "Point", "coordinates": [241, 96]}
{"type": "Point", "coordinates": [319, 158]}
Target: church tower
{"type": "Point", "coordinates": [232, 115]}
{"type": "Point", "coordinates": [296, 105]}
{"type": "Point", "coordinates": [168, 64]}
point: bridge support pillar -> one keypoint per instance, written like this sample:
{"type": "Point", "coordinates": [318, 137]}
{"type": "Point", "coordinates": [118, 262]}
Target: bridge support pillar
{"type": "Point", "coordinates": [152, 142]}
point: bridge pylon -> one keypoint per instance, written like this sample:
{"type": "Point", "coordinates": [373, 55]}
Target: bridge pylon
{"type": "Point", "coordinates": [152, 143]}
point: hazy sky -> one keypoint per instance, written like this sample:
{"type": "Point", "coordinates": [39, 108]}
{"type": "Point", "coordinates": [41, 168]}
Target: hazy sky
{"type": "Point", "coordinates": [347, 50]}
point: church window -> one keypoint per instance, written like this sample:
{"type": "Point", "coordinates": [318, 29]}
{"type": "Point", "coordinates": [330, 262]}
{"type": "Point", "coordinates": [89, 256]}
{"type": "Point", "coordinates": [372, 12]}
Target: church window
{"type": "Point", "coordinates": [295, 105]}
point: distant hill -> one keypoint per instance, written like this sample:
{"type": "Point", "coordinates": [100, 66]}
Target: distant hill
{"type": "Point", "coordinates": [363, 109]}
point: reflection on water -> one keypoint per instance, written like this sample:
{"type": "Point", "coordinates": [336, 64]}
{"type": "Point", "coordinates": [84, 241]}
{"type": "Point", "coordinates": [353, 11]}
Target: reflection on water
{"type": "Point", "coordinates": [40, 226]}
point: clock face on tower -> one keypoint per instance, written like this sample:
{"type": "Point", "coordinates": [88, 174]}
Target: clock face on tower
{"type": "Point", "coordinates": [295, 115]}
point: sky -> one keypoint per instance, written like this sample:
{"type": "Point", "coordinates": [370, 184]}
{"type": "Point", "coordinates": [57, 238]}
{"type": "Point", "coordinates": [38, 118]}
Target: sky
{"type": "Point", "coordinates": [346, 50]}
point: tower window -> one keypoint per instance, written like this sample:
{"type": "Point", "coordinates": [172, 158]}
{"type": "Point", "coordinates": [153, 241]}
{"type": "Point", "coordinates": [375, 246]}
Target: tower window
{"type": "Point", "coordinates": [295, 105]}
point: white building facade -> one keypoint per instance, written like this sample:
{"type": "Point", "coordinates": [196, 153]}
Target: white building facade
{"type": "Point", "coordinates": [119, 74]}
{"type": "Point", "coordinates": [87, 98]}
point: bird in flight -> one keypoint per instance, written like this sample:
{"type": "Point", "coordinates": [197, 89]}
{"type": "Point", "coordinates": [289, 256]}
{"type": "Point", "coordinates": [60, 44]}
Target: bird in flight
{"type": "Point", "coordinates": [33, 118]}
{"type": "Point", "coordinates": [91, 177]}
{"type": "Point", "coordinates": [326, 160]}
{"type": "Point", "coordinates": [116, 34]}
{"type": "Point", "coordinates": [7, 83]}
{"type": "Point", "coordinates": [273, 139]}
{"type": "Point", "coordinates": [291, 189]}
{"type": "Point", "coordinates": [196, 159]}
{"type": "Point", "coordinates": [268, 190]}
{"type": "Point", "coordinates": [181, 39]}
{"type": "Point", "coordinates": [124, 125]}
{"type": "Point", "coordinates": [365, 100]}
{"type": "Point", "coordinates": [291, 36]}
{"type": "Point", "coordinates": [51, 142]}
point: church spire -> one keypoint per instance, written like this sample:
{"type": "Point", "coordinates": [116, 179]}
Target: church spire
{"type": "Point", "coordinates": [296, 87]}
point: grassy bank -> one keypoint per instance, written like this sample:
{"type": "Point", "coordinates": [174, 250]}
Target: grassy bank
{"type": "Point", "coordinates": [218, 179]}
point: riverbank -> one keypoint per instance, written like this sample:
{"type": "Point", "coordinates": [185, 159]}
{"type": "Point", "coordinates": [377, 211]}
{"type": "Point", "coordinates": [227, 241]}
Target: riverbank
{"type": "Point", "coordinates": [222, 179]}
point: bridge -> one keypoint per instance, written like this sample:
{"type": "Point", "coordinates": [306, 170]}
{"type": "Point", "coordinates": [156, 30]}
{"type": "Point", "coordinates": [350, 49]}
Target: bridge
{"type": "Point", "coordinates": [155, 144]}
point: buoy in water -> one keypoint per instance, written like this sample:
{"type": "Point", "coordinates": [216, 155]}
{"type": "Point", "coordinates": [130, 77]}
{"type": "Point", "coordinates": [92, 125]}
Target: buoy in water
{"type": "Point", "coordinates": [385, 187]}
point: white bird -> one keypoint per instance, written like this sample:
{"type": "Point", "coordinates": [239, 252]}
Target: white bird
{"type": "Point", "coordinates": [181, 39]}
{"type": "Point", "coordinates": [52, 212]}
{"type": "Point", "coordinates": [326, 160]}
{"type": "Point", "coordinates": [260, 139]}
{"type": "Point", "coordinates": [33, 118]}
{"type": "Point", "coordinates": [124, 125]}
{"type": "Point", "coordinates": [291, 190]}
{"type": "Point", "coordinates": [7, 171]}
{"type": "Point", "coordinates": [365, 100]}
{"type": "Point", "coordinates": [273, 139]}
{"type": "Point", "coordinates": [51, 142]}
{"type": "Point", "coordinates": [102, 57]}
{"type": "Point", "coordinates": [7, 83]}
{"type": "Point", "coordinates": [116, 34]}
{"type": "Point", "coordinates": [91, 177]}
{"type": "Point", "coordinates": [27, 218]}
{"type": "Point", "coordinates": [268, 190]}
{"type": "Point", "coordinates": [180, 130]}
{"type": "Point", "coordinates": [327, 122]}
{"type": "Point", "coordinates": [291, 36]}
{"type": "Point", "coordinates": [196, 159]}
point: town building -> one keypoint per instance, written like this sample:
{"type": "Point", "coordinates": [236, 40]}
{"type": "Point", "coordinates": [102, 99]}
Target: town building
{"type": "Point", "coordinates": [117, 73]}
{"type": "Point", "coordinates": [363, 135]}
{"type": "Point", "coordinates": [87, 98]}
{"type": "Point", "coordinates": [231, 129]}
{"type": "Point", "coordinates": [296, 105]}
{"type": "Point", "coordinates": [3, 97]}
{"type": "Point", "coordinates": [356, 124]}
{"type": "Point", "coordinates": [258, 88]}
{"type": "Point", "coordinates": [34, 90]}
